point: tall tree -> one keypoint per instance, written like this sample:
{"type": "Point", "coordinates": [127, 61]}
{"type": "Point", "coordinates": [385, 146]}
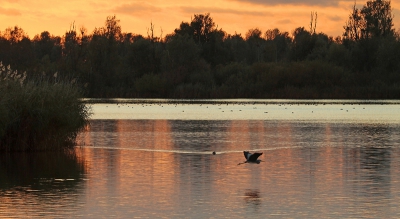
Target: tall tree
{"type": "Point", "coordinates": [375, 19]}
{"type": "Point", "coordinates": [354, 26]}
{"type": "Point", "coordinates": [378, 18]}
{"type": "Point", "coordinates": [281, 40]}
{"type": "Point", "coordinates": [237, 47]}
{"type": "Point", "coordinates": [112, 29]}
{"type": "Point", "coordinates": [256, 45]}
{"type": "Point", "coordinates": [203, 26]}
{"type": "Point", "coordinates": [16, 48]}
{"type": "Point", "coordinates": [271, 34]}
{"type": "Point", "coordinates": [302, 44]}
{"type": "Point", "coordinates": [200, 28]}
{"type": "Point", "coordinates": [71, 51]}
{"type": "Point", "coordinates": [14, 34]}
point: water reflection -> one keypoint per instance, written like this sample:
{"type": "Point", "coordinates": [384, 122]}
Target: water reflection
{"type": "Point", "coordinates": [39, 183]}
{"type": "Point", "coordinates": [320, 168]}
{"type": "Point", "coordinates": [155, 168]}
{"type": "Point", "coordinates": [253, 198]}
{"type": "Point", "coordinates": [332, 161]}
{"type": "Point", "coordinates": [374, 183]}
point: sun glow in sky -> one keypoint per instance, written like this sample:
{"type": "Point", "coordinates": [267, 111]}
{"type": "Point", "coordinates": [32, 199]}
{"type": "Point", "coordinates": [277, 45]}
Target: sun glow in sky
{"type": "Point", "coordinates": [135, 16]}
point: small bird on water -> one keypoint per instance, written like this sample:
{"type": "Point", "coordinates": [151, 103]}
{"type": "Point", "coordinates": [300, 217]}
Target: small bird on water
{"type": "Point", "coordinates": [251, 158]}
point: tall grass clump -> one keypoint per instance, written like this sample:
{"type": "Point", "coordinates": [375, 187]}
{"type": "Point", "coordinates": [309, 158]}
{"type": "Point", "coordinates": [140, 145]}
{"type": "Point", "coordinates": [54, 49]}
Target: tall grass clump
{"type": "Point", "coordinates": [39, 114]}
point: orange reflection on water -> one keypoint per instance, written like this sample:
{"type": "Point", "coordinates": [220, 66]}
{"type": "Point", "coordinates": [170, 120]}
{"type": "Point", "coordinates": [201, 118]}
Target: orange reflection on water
{"type": "Point", "coordinates": [238, 133]}
{"type": "Point", "coordinates": [305, 166]}
{"type": "Point", "coordinates": [116, 170]}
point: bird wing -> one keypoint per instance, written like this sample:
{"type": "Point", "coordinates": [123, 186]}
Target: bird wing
{"type": "Point", "coordinates": [246, 154]}
{"type": "Point", "coordinates": [254, 156]}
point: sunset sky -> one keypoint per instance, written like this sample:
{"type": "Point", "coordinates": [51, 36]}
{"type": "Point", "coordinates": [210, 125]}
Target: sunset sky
{"type": "Point", "coordinates": [232, 16]}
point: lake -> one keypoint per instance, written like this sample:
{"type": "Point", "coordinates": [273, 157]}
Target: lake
{"type": "Point", "coordinates": [153, 159]}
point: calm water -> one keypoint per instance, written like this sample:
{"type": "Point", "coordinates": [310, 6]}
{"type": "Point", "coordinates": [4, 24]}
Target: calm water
{"type": "Point", "coordinates": [154, 160]}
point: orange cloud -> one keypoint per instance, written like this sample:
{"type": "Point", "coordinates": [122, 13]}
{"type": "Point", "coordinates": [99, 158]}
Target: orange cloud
{"type": "Point", "coordinates": [134, 9]}
{"type": "Point", "coordinates": [9, 11]}
{"type": "Point", "coordinates": [215, 10]}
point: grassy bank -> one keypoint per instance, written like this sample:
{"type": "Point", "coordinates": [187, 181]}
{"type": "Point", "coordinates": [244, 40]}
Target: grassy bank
{"type": "Point", "coordinates": [39, 114]}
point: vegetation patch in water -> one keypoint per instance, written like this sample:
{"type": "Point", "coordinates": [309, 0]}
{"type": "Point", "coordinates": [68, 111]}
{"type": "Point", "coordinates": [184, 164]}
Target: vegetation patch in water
{"type": "Point", "coordinates": [39, 114]}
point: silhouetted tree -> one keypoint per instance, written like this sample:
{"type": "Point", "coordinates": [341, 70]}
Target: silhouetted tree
{"type": "Point", "coordinates": [302, 44]}
{"type": "Point", "coordinates": [16, 48]}
{"type": "Point", "coordinates": [203, 26]}
{"type": "Point", "coordinates": [46, 44]}
{"type": "Point", "coordinates": [180, 57]}
{"type": "Point", "coordinates": [320, 45]}
{"type": "Point", "coordinates": [378, 18]}
{"type": "Point", "coordinates": [140, 57]}
{"type": "Point", "coordinates": [375, 19]}
{"type": "Point", "coordinates": [388, 58]}
{"type": "Point", "coordinates": [14, 34]}
{"type": "Point", "coordinates": [200, 28]}
{"type": "Point", "coordinates": [282, 42]}
{"type": "Point", "coordinates": [214, 51]}
{"type": "Point", "coordinates": [237, 48]}
{"type": "Point", "coordinates": [200, 60]}
{"type": "Point", "coordinates": [71, 51]}
{"type": "Point", "coordinates": [338, 54]}
{"type": "Point", "coordinates": [256, 45]}
{"type": "Point", "coordinates": [354, 28]}
{"type": "Point", "coordinates": [112, 29]}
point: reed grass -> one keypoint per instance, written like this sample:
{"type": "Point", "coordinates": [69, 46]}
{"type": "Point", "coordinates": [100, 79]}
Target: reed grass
{"type": "Point", "coordinates": [39, 114]}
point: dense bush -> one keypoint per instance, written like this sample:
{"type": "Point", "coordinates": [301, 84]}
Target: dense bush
{"type": "Point", "coordinates": [39, 114]}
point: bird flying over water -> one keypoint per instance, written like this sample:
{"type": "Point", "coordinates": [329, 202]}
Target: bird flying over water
{"type": "Point", "coordinates": [251, 158]}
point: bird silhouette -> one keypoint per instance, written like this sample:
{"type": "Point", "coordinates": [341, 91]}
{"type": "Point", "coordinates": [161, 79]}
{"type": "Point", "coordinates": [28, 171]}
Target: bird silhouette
{"type": "Point", "coordinates": [251, 158]}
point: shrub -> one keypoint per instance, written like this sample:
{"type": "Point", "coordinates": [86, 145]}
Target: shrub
{"type": "Point", "coordinates": [39, 114]}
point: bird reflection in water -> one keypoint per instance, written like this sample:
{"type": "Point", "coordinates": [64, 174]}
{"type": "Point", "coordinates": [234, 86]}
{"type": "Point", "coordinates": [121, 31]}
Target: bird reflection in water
{"type": "Point", "coordinates": [252, 197]}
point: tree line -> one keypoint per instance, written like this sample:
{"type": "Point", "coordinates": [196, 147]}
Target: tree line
{"type": "Point", "coordinates": [200, 60]}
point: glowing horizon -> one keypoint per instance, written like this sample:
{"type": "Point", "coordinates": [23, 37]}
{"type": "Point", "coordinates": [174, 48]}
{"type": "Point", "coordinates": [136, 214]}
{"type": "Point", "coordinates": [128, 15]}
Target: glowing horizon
{"type": "Point", "coordinates": [232, 16]}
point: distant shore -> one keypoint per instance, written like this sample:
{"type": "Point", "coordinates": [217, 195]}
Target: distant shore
{"type": "Point", "coordinates": [237, 101]}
